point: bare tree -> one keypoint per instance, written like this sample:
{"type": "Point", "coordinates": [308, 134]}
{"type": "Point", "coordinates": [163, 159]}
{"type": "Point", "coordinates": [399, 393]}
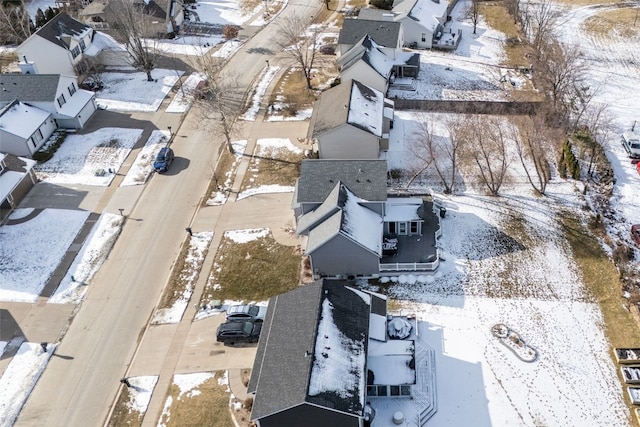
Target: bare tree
{"type": "Point", "coordinates": [441, 152]}
{"type": "Point", "coordinates": [300, 41]}
{"type": "Point", "coordinates": [220, 97]}
{"type": "Point", "coordinates": [486, 147]}
{"type": "Point", "coordinates": [530, 139]}
{"type": "Point", "coordinates": [474, 13]}
{"type": "Point", "coordinates": [129, 20]}
{"type": "Point", "coordinates": [599, 125]}
{"type": "Point", "coordinates": [559, 70]}
{"type": "Point", "coordinates": [15, 25]}
{"type": "Point", "coordinates": [540, 22]}
{"type": "Point", "coordinates": [514, 9]}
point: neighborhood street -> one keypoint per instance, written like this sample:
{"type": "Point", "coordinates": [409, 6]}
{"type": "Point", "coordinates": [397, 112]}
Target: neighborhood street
{"type": "Point", "coordinates": [109, 333]}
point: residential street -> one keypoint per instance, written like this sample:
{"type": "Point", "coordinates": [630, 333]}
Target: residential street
{"type": "Point", "coordinates": [107, 335]}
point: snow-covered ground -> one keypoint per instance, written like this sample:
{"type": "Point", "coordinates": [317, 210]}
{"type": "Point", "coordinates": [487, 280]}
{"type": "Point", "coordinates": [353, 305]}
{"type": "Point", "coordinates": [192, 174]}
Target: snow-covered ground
{"type": "Point", "coordinates": [132, 91]}
{"type": "Point", "coordinates": [142, 166]}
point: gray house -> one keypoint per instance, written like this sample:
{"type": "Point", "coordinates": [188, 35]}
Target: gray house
{"type": "Point", "coordinates": [351, 121]}
{"type": "Point", "coordinates": [388, 35]}
{"type": "Point", "coordinates": [362, 232]}
{"type": "Point", "coordinates": [366, 178]}
{"type": "Point", "coordinates": [311, 364]}
{"type": "Point", "coordinates": [367, 63]}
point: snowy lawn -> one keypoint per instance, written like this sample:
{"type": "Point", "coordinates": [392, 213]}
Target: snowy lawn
{"type": "Point", "coordinates": [94, 252]}
{"type": "Point", "coordinates": [31, 251]}
{"type": "Point", "coordinates": [133, 401]}
{"type": "Point", "coordinates": [20, 377]}
{"type": "Point", "coordinates": [185, 94]}
{"type": "Point", "coordinates": [264, 80]}
{"type": "Point", "coordinates": [86, 159]}
{"type": "Point", "coordinates": [183, 279]}
{"type": "Point", "coordinates": [131, 91]}
{"type": "Point", "coordinates": [274, 167]}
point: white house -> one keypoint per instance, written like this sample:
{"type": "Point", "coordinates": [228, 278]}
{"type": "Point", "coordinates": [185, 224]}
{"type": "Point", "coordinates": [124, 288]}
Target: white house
{"type": "Point", "coordinates": [24, 129]}
{"type": "Point", "coordinates": [59, 95]}
{"type": "Point", "coordinates": [56, 48]}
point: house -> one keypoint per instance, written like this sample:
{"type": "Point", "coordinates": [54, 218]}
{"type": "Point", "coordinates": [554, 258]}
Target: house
{"type": "Point", "coordinates": [57, 47]}
{"type": "Point", "coordinates": [55, 94]}
{"type": "Point", "coordinates": [375, 66]}
{"type": "Point", "coordinates": [366, 178]}
{"type": "Point", "coordinates": [330, 354]}
{"type": "Point", "coordinates": [312, 366]}
{"type": "Point", "coordinates": [24, 129]}
{"type": "Point", "coordinates": [16, 179]}
{"type": "Point", "coordinates": [422, 20]}
{"type": "Point", "coordinates": [368, 64]}
{"type": "Point", "coordinates": [351, 121]}
{"type": "Point", "coordinates": [388, 35]}
{"type": "Point", "coordinates": [349, 237]}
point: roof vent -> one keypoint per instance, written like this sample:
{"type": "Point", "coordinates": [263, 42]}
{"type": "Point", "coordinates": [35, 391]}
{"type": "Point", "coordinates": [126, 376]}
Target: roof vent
{"type": "Point", "coordinates": [307, 353]}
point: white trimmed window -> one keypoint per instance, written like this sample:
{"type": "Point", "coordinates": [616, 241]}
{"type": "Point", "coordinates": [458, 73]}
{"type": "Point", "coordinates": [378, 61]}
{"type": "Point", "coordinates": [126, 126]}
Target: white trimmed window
{"type": "Point", "coordinates": [61, 100]}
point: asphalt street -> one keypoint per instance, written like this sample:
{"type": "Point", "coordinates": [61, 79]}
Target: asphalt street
{"type": "Point", "coordinates": [109, 337]}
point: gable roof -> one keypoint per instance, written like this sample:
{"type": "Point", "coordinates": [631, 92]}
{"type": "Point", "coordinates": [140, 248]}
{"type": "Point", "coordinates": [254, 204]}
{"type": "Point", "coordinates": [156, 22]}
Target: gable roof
{"type": "Point", "coordinates": [61, 28]}
{"type": "Point", "coordinates": [28, 87]}
{"type": "Point", "coordinates": [366, 178]}
{"type": "Point", "coordinates": [384, 33]}
{"type": "Point", "coordinates": [351, 102]}
{"type": "Point", "coordinates": [368, 51]}
{"type": "Point", "coordinates": [312, 349]}
{"type": "Point", "coordinates": [349, 219]}
{"type": "Point", "coordinates": [21, 119]}
{"type": "Point", "coordinates": [428, 13]}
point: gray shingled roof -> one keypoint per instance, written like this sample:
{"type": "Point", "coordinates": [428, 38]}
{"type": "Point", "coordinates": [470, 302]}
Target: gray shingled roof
{"type": "Point", "coordinates": [28, 87]}
{"type": "Point", "coordinates": [61, 25]}
{"type": "Point", "coordinates": [331, 110]}
{"type": "Point", "coordinates": [367, 179]}
{"type": "Point", "coordinates": [282, 368]}
{"type": "Point", "coordinates": [330, 206]}
{"type": "Point", "coordinates": [384, 33]}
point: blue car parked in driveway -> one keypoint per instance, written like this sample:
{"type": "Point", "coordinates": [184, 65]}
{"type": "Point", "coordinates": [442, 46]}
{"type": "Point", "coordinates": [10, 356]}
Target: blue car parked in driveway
{"type": "Point", "coordinates": [163, 160]}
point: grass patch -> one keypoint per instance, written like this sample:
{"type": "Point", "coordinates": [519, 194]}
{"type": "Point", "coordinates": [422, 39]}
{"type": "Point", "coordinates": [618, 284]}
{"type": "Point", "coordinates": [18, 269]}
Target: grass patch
{"type": "Point", "coordinates": [292, 94]}
{"type": "Point", "coordinates": [252, 271]}
{"type": "Point", "coordinates": [516, 47]}
{"type": "Point", "coordinates": [273, 165]}
{"type": "Point", "coordinates": [209, 407]}
{"type": "Point", "coordinates": [223, 175]}
{"type": "Point", "coordinates": [614, 23]}
{"type": "Point", "coordinates": [602, 282]}
{"type": "Point", "coordinates": [123, 415]}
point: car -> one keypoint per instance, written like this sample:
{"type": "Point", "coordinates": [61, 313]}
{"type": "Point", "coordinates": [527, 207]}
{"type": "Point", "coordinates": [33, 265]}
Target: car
{"type": "Point", "coordinates": [631, 143]}
{"type": "Point", "coordinates": [234, 331]}
{"type": "Point", "coordinates": [635, 233]}
{"type": "Point", "coordinates": [163, 159]}
{"type": "Point", "coordinates": [246, 312]}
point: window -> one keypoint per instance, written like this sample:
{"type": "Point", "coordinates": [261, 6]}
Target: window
{"type": "Point", "coordinates": [405, 390]}
{"type": "Point", "coordinates": [395, 390]}
{"type": "Point", "coordinates": [414, 228]}
{"type": "Point", "coordinates": [36, 138]}
{"type": "Point", "coordinates": [72, 88]}
{"type": "Point", "coordinates": [75, 52]}
{"type": "Point", "coordinates": [392, 228]}
{"type": "Point", "coordinates": [372, 390]}
{"type": "Point", "coordinates": [424, 37]}
{"type": "Point", "coordinates": [61, 100]}
{"type": "Point", "coordinates": [402, 228]}
{"type": "Point", "coordinates": [382, 390]}
{"type": "Point", "coordinates": [82, 45]}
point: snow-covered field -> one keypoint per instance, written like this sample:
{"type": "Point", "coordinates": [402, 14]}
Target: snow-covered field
{"type": "Point", "coordinates": [132, 91]}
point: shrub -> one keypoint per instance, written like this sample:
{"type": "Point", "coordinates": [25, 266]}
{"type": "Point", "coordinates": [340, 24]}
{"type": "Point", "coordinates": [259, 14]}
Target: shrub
{"type": "Point", "coordinates": [230, 32]}
{"type": "Point", "coordinates": [48, 150]}
{"type": "Point", "coordinates": [570, 160]}
{"type": "Point", "coordinates": [382, 4]}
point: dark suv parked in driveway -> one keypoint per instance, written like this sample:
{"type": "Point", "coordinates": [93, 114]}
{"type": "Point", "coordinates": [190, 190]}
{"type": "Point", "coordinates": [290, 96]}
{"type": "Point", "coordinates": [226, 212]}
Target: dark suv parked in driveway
{"type": "Point", "coordinates": [163, 159]}
{"type": "Point", "coordinates": [239, 331]}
